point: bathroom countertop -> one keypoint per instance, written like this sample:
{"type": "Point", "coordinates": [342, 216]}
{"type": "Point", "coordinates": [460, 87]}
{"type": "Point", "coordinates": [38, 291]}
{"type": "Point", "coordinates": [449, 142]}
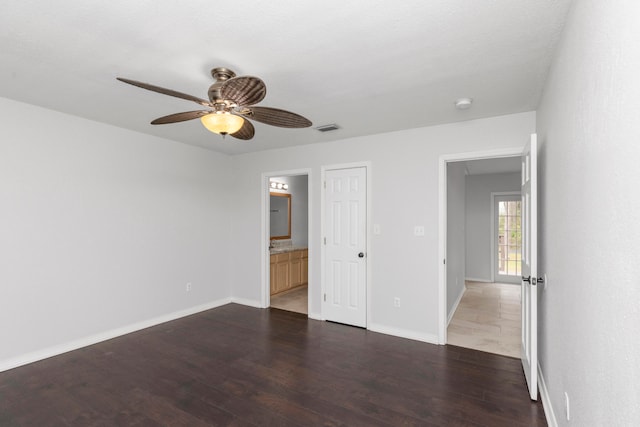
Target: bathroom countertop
{"type": "Point", "coordinates": [286, 249]}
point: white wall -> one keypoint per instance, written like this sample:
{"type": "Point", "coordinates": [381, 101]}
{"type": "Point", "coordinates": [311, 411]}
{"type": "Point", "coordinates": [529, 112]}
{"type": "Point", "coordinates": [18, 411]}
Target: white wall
{"type": "Point", "coordinates": [299, 190]}
{"type": "Point", "coordinates": [404, 183]}
{"type": "Point", "coordinates": [455, 234]}
{"type": "Point", "coordinates": [100, 229]}
{"type": "Point", "coordinates": [589, 130]}
{"type": "Point", "coordinates": [479, 220]}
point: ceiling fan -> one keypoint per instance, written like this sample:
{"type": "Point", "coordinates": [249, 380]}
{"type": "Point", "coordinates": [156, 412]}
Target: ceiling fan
{"type": "Point", "coordinates": [230, 105]}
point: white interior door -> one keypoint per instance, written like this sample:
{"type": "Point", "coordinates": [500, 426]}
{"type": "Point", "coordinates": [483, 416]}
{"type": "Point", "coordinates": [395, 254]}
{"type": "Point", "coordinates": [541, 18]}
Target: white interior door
{"type": "Point", "coordinates": [529, 266]}
{"type": "Point", "coordinates": [345, 263]}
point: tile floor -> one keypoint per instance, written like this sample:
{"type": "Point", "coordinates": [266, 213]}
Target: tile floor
{"type": "Point", "coordinates": [488, 319]}
{"type": "Point", "coordinates": [293, 300]}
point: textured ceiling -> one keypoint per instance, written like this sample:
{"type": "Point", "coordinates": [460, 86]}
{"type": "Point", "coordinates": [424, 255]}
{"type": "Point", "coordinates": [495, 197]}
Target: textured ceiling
{"type": "Point", "coordinates": [369, 66]}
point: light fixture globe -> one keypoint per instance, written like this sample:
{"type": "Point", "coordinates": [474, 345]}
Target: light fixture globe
{"type": "Point", "coordinates": [222, 123]}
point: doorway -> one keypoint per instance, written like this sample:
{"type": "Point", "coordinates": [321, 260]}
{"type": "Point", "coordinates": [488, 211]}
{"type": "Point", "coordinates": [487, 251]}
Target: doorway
{"type": "Point", "coordinates": [286, 228]}
{"type": "Point", "coordinates": [485, 314]}
{"type": "Point", "coordinates": [529, 279]}
{"type": "Point", "coordinates": [464, 275]}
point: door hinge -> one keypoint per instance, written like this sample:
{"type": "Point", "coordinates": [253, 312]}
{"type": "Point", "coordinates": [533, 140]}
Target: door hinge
{"type": "Point", "coordinates": [325, 184]}
{"type": "Point", "coordinates": [444, 261]}
{"type": "Point", "coordinates": [325, 240]}
{"type": "Point", "coordinates": [325, 297]}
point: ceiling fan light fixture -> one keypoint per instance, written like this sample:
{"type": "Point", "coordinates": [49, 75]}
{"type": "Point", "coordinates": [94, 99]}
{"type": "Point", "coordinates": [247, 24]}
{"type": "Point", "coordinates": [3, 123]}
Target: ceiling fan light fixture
{"type": "Point", "coordinates": [222, 123]}
{"type": "Point", "coordinates": [230, 105]}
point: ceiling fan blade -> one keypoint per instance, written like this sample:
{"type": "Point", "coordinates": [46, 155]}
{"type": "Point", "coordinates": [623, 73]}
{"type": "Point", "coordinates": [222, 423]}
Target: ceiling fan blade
{"type": "Point", "coordinates": [277, 117]}
{"type": "Point", "coordinates": [180, 117]}
{"type": "Point", "coordinates": [246, 131]}
{"type": "Point", "coordinates": [244, 90]}
{"type": "Point", "coordinates": [164, 91]}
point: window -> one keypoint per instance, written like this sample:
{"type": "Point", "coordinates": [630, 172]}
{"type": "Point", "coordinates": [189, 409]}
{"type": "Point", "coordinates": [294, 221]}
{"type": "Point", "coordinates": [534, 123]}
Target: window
{"type": "Point", "coordinates": [509, 235]}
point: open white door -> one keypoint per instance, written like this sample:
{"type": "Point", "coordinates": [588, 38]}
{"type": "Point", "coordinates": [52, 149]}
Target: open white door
{"type": "Point", "coordinates": [529, 267]}
{"type": "Point", "coordinates": [345, 216]}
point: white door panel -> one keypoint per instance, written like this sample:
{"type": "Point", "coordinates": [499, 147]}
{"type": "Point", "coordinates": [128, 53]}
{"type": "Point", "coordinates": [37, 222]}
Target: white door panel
{"type": "Point", "coordinates": [345, 247]}
{"type": "Point", "coordinates": [529, 266]}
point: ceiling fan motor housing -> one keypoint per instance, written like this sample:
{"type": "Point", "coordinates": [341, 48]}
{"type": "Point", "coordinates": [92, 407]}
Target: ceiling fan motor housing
{"type": "Point", "coordinates": [221, 75]}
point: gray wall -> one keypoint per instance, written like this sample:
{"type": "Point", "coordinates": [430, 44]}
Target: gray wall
{"type": "Point", "coordinates": [455, 234]}
{"type": "Point", "coordinates": [478, 220]}
{"type": "Point", "coordinates": [404, 183]}
{"type": "Point", "coordinates": [589, 128]}
{"type": "Point", "coordinates": [101, 230]}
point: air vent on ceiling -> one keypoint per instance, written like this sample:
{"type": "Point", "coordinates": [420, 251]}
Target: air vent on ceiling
{"type": "Point", "coordinates": [328, 128]}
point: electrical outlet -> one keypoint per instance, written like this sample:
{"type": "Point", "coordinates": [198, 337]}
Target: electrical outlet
{"type": "Point", "coordinates": [188, 287]}
{"type": "Point", "coordinates": [566, 405]}
{"type": "Point", "coordinates": [418, 230]}
{"type": "Point", "coordinates": [396, 302]}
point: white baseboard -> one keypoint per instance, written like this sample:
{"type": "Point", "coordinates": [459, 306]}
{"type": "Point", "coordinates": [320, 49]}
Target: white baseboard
{"type": "Point", "coordinates": [45, 353]}
{"type": "Point", "coordinates": [455, 305]}
{"type": "Point", "coordinates": [248, 302]}
{"type": "Point", "coordinates": [402, 333]}
{"type": "Point", "coordinates": [316, 316]}
{"type": "Point", "coordinates": [475, 279]}
{"type": "Point", "coordinates": [546, 400]}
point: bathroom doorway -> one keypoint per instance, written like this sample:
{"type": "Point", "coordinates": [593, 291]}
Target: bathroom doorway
{"type": "Point", "coordinates": [287, 224]}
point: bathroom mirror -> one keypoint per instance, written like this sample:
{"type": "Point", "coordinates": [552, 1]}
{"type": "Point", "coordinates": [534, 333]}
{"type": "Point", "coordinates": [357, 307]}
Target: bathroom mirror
{"type": "Point", "coordinates": [280, 216]}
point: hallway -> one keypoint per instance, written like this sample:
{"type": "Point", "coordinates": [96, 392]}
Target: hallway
{"type": "Point", "coordinates": [488, 319]}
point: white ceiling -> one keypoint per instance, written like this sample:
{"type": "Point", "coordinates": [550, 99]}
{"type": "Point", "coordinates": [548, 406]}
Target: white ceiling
{"type": "Point", "coordinates": [497, 165]}
{"type": "Point", "coordinates": [369, 66]}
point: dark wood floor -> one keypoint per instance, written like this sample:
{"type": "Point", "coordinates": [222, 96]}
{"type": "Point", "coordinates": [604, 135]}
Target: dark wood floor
{"type": "Point", "coordinates": [241, 366]}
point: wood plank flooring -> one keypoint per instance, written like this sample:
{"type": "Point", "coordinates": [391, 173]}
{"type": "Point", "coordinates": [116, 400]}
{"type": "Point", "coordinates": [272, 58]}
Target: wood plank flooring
{"type": "Point", "coordinates": [241, 366]}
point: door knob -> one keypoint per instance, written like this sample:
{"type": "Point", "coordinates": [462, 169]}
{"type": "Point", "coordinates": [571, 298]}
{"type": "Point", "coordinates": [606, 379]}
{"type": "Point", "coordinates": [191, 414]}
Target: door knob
{"type": "Point", "coordinates": [361, 255]}
{"type": "Point", "coordinates": [533, 280]}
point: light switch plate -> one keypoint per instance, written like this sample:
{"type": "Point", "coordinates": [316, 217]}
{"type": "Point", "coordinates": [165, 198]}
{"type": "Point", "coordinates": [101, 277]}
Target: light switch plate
{"type": "Point", "coordinates": [376, 229]}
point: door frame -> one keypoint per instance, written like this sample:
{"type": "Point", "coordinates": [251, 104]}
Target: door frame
{"type": "Point", "coordinates": [494, 243]}
{"type": "Point", "coordinates": [442, 216]}
{"type": "Point", "coordinates": [265, 297]}
{"type": "Point", "coordinates": [323, 172]}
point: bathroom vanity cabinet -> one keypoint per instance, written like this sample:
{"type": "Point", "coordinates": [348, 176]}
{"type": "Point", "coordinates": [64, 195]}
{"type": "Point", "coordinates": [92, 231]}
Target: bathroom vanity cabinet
{"type": "Point", "coordinates": [289, 270]}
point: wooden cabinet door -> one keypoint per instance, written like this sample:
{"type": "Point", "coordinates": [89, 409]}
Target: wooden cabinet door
{"type": "Point", "coordinates": [305, 270]}
{"type": "Point", "coordinates": [272, 279]}
{"type": "Point", "coordinates": [282, 272]}
{"type": "Point", "coordinates": [282, 276]}
{"type": "Point", "coordinates": [296, 272]}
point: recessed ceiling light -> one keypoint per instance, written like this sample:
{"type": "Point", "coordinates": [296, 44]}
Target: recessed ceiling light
{"type": "Point", "coordinates": [463, 103]}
